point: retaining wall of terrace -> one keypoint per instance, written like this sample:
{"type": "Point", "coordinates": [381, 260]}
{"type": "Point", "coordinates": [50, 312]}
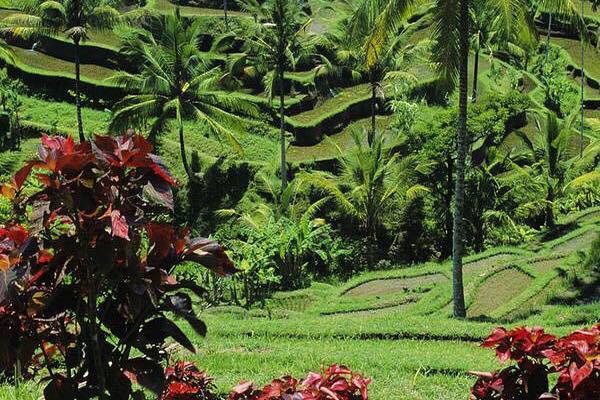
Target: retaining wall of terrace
{"type": "Point", "coordinates": [61, 87]}
{"type": "Point", "coordinates": [307, 135]}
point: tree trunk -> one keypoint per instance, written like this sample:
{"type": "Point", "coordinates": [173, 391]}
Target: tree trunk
{"type": "Point", "coordinates": [582, 86]}
{"type": "Point", "coordinates": [77, 91]}
{"type": "Point", "coordinates": [548, 35]}
{"type": "Point", "coordinates": [371, 135]}
{"type": "Point", "coordinates": [98, 367]}
{"type": "Point", "coordinates": [475, 75]}
{"type": "Point", "coordinates": [186, 166]}
{"type": "Point", "coordinates": [283, 166]}
{"type": "Point", "coordinates": [225, 13]}
{"type": "Point", "coordinates": [371, 243]}
{"type": "Point", "coordinates": [549, 211]}
{"type": "Point", "coordinates": [461, 147]}
{"type": "Point", "coordinates": [447, 248]}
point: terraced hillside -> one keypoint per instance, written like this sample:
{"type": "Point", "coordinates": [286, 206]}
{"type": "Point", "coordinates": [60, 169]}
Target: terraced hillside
{"type": "Point", "coordinates": [311, 119]}
{"type": "Point", "coordinates": [403, 316]}
{"type": "Point", "coordinates": [395, 325]}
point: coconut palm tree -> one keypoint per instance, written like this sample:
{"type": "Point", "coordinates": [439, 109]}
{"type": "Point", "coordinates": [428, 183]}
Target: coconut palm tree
{"type": "Point", "coordinates": [351, 50]}
{"type": "Point", "coordinates": [366, 185]}
{"type": "Point", "coordinates": [174, 83]}
{"type": "Point", "coordinates": [550, 156]}
{"type": "Point", "coordinates": [489, 32]}
{"type": "Point", "coordinates": [274, 44]}
{"type": "Point", "coordinates": [451, 52]}
{"type": "Point", "coordinates": [451, 31]}
{"type": "Point", "coordinates": [74, 18]}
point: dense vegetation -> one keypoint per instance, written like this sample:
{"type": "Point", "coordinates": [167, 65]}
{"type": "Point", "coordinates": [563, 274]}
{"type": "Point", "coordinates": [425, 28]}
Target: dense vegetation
{"type": "Point", "coordinates": [391, 180]}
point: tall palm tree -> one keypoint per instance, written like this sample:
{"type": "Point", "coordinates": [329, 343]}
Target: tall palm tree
{"type": "Point", "coordinates": [274, 44]}
{"type": "Point", "coordinates": [75, 18]}
{"type": "Point", "coordinates": [451, 31]}
{"type": "Point", "coordinates": [490, 31]}
{"type": "Point", "coordinates": [376, 23]}
{"type": "Point", "coordinates": [174, 82]}
{"type": "Point", "coordinates": [451, 52]}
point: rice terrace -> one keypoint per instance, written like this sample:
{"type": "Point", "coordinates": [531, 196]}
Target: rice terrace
{"type": "Point", "coordinates": [300, 199]}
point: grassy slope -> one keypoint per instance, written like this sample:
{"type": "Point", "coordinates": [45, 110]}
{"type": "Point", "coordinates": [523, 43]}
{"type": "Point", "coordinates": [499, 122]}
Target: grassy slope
{"type": "Point", "coordinates": [410, 355]}
{"type": "Point", "coordinates": [60, 115]}
{"type": "Point", "coordinates": [44, 64]}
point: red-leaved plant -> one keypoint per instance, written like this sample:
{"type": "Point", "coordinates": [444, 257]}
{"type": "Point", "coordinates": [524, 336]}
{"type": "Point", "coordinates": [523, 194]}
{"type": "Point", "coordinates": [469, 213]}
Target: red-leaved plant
{"type": "Point", "coordinates": [88, 279]}
{"type": "Point", "coordinates": [575, 357]}
{"type": "Point", "coordinates": [183, 381]}
{"type": "Point", "coordinates": [334, 383]}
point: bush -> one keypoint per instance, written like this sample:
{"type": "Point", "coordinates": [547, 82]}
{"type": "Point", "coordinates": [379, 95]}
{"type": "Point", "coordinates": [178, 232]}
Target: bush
{"type": "Point", "coordinates": [88, 292]}
{"type": "Point", "coordinates": [336, 382]}
{"type": "Point", "coordinates": [183, 381]}
{"type": "Point", "coordinates": [575, 358]}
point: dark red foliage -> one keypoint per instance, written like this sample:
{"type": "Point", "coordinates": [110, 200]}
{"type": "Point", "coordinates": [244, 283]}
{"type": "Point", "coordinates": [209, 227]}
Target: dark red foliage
{"type": "Point", "coordinates": [519, 343]}
{"type": "Point", "coordinates": [335, 383]}
{"type": "Point", "coordinates": [575, 357]}
{"type": "Point", "coordinates": [183, 381]}
{"type": "Point", "coordinates": [95, 262]}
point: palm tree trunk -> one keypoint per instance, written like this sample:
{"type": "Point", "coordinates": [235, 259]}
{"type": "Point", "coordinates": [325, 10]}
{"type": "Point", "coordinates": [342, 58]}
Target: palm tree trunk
{"type": "Point", "coordinates": [447, 248]}
{"type": "Point", "coordinates": [475, 75]}
{"type": "Point", "coordinates": [371, 135]}
{"type": "Point", "coordinates": [77, 91]}
{"type": "Point", "coordinates": [283, 165]}
{"type": "Point", "coordinates": [582, 86]}
{"type": "Point", "coordinates": [461, 147]}
{"type": "Point", "coordinates": [371, 243]}
{"type": "Point", "coordinates": [549, 211]}
{"type": "Point", "coordinates": [186, 166]}
{"type": "Point", "coordinates": [225, 13]}
{"type": "Point", "coordinates": [548, 35]}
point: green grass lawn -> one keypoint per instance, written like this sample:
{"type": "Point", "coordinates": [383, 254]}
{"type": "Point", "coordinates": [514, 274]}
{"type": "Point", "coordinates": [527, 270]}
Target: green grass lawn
{"type": "Point", "coordinates": [409, 353]}
{"type": "Point", "coordinates": [406, 369]}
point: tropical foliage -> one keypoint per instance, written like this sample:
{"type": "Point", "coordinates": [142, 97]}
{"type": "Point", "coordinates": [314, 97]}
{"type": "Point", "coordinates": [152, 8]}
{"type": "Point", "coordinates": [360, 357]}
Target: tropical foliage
{"type": "Point", "coordinates": [92, 271]}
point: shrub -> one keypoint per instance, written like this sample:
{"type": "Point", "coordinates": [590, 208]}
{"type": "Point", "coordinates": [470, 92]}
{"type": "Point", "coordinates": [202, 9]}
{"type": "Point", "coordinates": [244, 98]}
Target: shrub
{"type": "Point", "coordinates": [183, 381]}
{"type": "Point", "coordinates": [336, 382]}
{"type": "Point", "coordinates": [575, 358]}
{"type": "Point", "coordinates": [87, 291]}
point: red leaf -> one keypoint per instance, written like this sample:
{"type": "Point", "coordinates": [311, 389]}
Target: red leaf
{"type": "Point", "coordinates": [210, 254]}
{"type": "Point", "coordinates": [578, 375]}
{"type": "Point", "coordinates": [22, 175]}
{"type": "Point", "coordinates": [161, 237]}
{"type": "Point", "coordinates": [120, 228]}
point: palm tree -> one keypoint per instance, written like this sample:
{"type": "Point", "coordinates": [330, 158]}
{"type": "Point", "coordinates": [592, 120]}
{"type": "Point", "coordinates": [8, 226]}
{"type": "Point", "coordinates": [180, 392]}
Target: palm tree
{"type": "Point", "coordinates": [376, 23]}
{"type": "Point", "coordinates": [551, 155]}
{"type": "Point", "coordinates": [567, 11]}
{"type": "Point", "coordinates": [75, 18]}
{"type": "Point", "coordinates": [274, 45]}
{"type": "Point", "coordinates": [489, 31]}
{"type": "Point", "coordinates": [451, 29]}
{"type": "Point", "coordinates": [175, 83]}
{"type": "Point", "coordinates": [365, 187]}
{"type": "Point", "coordinates": [451, 52]}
